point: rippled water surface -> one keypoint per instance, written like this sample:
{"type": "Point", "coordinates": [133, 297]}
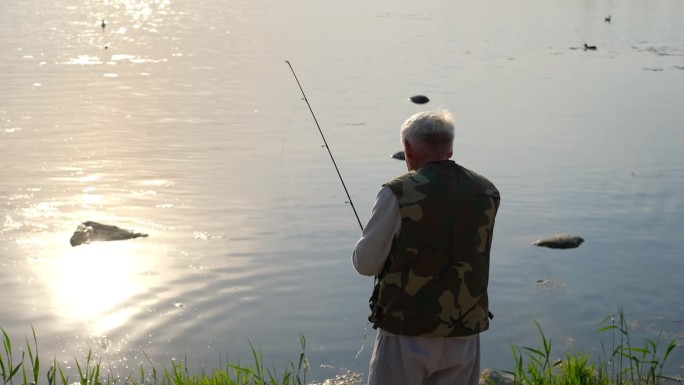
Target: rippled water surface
{"type": "Point", "coordinates": [181, 120]}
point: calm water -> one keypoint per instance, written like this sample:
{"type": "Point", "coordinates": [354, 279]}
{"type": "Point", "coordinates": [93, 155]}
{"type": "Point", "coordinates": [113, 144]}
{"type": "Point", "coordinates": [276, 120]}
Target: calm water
{"type": "Point", "coordinates": [180, 119]}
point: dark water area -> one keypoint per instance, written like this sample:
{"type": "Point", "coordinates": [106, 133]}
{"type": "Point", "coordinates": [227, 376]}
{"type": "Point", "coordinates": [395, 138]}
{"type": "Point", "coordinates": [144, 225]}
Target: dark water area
{"type": "Point", "coordinates": [182, 121]}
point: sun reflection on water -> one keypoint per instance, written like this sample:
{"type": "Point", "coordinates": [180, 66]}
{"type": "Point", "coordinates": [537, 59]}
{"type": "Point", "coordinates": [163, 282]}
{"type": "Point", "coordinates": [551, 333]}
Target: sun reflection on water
{"type": "Point", "coordinates": [140, 10]}
{"type": "Point", "coordinates": [94, 283]}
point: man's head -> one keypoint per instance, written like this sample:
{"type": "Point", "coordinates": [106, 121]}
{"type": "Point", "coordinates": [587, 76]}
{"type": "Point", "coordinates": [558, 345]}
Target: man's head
{"type": "Point", "coordinates": [427, 137]}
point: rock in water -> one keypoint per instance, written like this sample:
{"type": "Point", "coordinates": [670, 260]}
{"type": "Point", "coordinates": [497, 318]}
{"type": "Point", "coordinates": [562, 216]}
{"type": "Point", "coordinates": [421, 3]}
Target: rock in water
{"type": "Point", "coordinates": [399, 155]}
{"type": "Point", "coordinates": [89, 231]}
{"type": "Point", "coordinates": [492, 377]}
{"type": "Point", "coordinates": [419, 99]}
{"type": "Point", "coordinates": [560, 242]}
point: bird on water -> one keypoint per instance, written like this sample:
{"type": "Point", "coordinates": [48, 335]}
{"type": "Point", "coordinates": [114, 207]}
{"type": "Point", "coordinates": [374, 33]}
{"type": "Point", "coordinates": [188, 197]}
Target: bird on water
{"type": "Point", "coordinates": [103, 24]}
{"type": "Point", "coordinates": [590, 47]}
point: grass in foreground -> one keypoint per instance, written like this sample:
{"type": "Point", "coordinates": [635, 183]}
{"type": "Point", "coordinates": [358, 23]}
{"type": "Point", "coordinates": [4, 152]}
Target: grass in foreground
{"type": "Point", "coordinates": [624, 364]}
{"type": "Point", "coordinates": [26, 371]}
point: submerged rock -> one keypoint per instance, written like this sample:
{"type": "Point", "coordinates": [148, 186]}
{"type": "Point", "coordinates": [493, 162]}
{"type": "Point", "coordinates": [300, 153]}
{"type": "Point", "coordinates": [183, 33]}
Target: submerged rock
{"type": "Point", "coordinates": [399, 155]}
{"type": "Point", "coordinates": [89, 231]}
{"type": "Point", "coordinates": [493, 377]}
{"type": "Point", "coordinates": [549, 284]}
{"type": "Point", "coordinates": [560, 242]}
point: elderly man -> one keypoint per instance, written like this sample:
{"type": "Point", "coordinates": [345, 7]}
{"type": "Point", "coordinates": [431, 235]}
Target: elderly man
{"type": "Point", "coordinates": [427, 243]}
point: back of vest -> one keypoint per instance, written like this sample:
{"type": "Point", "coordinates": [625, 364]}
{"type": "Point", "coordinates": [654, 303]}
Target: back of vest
{"type": "Point", "coordinates": [436, 276]}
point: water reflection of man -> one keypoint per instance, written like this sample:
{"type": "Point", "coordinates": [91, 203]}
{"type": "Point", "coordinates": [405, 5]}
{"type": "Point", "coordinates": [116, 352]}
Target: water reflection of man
{"type": "Point", "coordinates": [427, 242]}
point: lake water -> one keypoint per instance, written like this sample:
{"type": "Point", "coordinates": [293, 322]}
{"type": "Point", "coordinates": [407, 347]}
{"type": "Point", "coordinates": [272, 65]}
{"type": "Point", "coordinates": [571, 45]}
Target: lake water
{"type": "Point", "coordinates": [181, 120]}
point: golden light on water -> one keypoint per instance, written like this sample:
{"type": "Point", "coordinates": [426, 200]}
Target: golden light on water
{"type": "Point", "coordinates": [93, 283]}
{"type": "Point", "coordinates": [139, 10]}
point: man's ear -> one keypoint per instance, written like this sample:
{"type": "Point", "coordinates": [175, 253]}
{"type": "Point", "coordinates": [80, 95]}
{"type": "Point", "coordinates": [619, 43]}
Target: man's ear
{"type": "Point", "coordinates": [408, 150]}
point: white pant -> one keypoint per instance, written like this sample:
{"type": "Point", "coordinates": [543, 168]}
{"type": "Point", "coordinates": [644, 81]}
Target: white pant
{"type": "Point", "coordinates": [402, 360]}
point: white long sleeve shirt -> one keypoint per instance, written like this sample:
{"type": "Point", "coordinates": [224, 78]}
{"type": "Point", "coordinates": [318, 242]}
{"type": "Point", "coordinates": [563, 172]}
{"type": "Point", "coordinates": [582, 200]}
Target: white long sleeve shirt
{"type": "Point", "coordinates": [383, 227]}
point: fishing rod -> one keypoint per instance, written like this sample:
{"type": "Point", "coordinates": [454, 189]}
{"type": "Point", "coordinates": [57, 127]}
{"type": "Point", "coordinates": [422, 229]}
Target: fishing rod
{"type": "Point", "coordinates": [326, 144]}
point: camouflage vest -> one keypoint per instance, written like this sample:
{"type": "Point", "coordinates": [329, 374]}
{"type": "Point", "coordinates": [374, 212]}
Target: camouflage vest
{"type": "Point", "coordinates": [434, 282]}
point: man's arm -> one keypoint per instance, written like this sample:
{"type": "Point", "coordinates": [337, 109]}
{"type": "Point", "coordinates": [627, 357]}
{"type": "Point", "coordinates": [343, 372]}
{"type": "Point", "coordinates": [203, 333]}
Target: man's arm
{"type": "Point", "coordinates": [372, 249]}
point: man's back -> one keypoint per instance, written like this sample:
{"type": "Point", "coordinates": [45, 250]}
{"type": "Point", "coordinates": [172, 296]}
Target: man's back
{"type": "Point", "coordinates": [436, 276]}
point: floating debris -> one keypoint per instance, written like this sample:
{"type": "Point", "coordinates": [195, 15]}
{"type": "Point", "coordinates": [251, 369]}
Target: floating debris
{"type": "Point", "coordinates": [399, 155]}
{"type": "Point", "coordinates": [89, 231]}
{"type": "Point", "coordinates": [419, 99]}
{"type": "Point", "coordinates": [560, 242]}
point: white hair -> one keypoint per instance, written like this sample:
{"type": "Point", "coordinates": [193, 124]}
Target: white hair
{"type": "Point", "coordinates": [429, 130]}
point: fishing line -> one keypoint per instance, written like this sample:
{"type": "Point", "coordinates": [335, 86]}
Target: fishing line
{"type": "Point", "coordinates": [325, 144]}
{"type": "Point", "coordinates": [365, 330]}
